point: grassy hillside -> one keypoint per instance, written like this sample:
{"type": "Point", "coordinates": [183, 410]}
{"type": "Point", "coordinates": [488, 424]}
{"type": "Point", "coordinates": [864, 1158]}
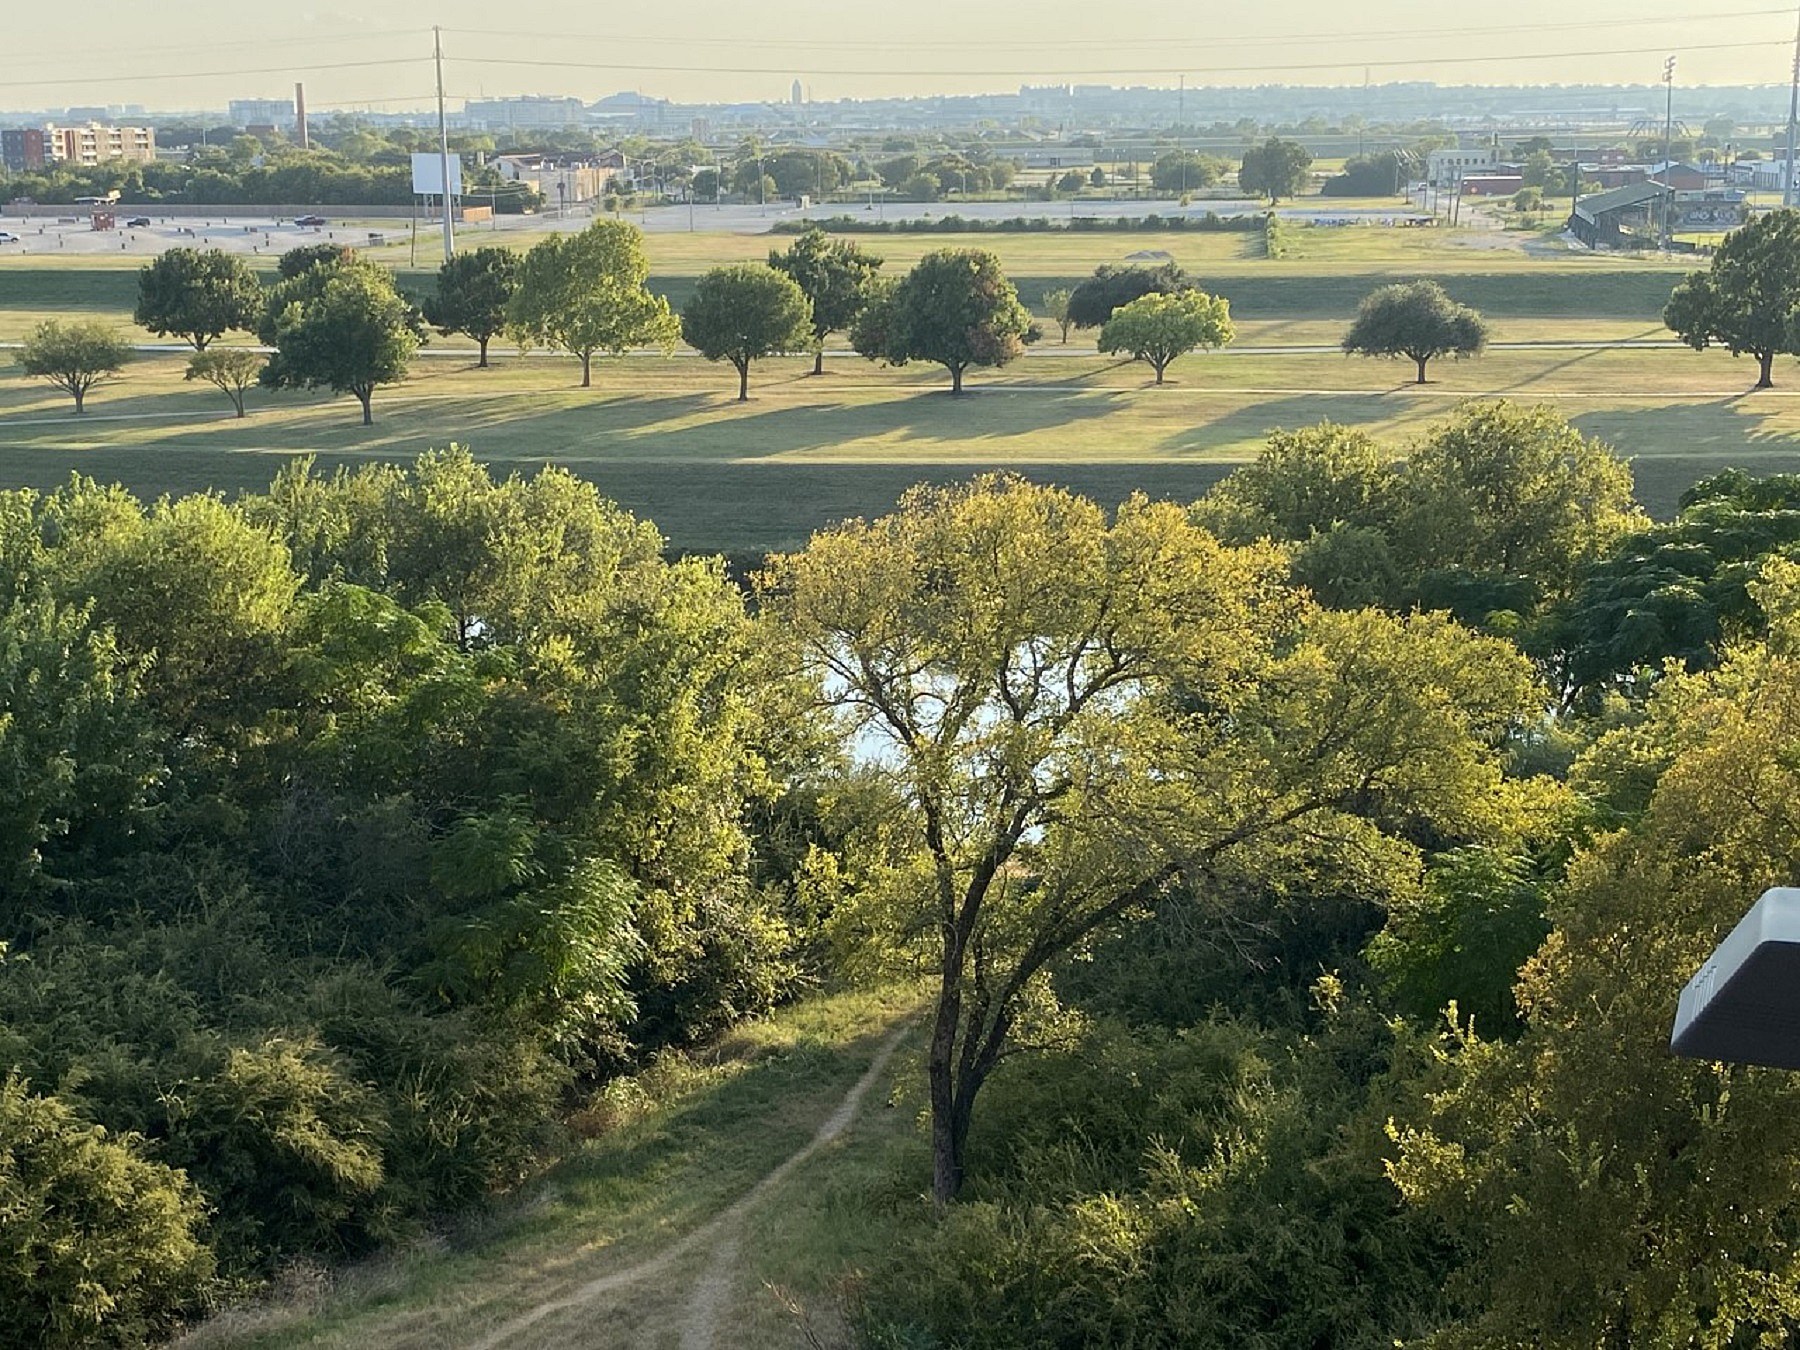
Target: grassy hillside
{"type": "Point", "coordinates": [1501, 294]}
{"type": "Point", "coordinates": [661, 1154]}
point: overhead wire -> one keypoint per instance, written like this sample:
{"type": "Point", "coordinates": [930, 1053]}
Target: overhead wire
{"type": "Point", "coordinates": [1264, 68]}
{"type": "Point", "coordinates": [295, 68]}
{"type": "Point", "coordinates": [1162, 43]}
{"type": "Point", "coordinates": [890, 71]}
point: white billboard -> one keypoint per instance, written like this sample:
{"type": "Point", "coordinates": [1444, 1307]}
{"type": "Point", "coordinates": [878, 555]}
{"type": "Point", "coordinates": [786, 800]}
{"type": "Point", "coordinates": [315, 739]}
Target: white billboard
{"type": "Point", "coordinates": [428, 176]}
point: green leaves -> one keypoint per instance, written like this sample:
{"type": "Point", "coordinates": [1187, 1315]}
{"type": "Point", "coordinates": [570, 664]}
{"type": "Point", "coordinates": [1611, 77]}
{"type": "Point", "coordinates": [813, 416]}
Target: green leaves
{"type": "Point", "coordinates": [1068, 740]}
{"type": "Point", "coordinates": [340, 326]}
{"type": "Point", "coordinates": [474, 294]}
{"type": "Point", "coordinates": [1603, 1191]}
{"type": "Point", "coordinates": [1275, 169]}
{"type": "Point", "coordinates": [741, 314]}
{"type": "Point", "coordinates": [99, 1245]}
{"type": "Point", "coordinates": [955, 308]}
{"type": "Point", "coordinates": [197, 295]}
{"type": "Point", "coordinates": [585, 293]}
{"type": "Point", "coordinates": [75, 355]}
{"type": "Point", "coordinates": [834, 274]}
{"type": "Point", "coordinates": [1158, 328]}
{"type": "Point", "coordinates": [1415, 319]}
{"type": "Point", "coordinates": [75, 751]}
{"type": "Point", "coordinates": [1748, 300]}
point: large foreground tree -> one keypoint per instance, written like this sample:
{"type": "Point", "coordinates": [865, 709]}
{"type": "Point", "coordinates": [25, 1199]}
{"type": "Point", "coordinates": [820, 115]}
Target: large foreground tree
{"type": "Point", "coordinates": [1748, 300]}
{"type": "Point", "coordinates": [1075, 716]}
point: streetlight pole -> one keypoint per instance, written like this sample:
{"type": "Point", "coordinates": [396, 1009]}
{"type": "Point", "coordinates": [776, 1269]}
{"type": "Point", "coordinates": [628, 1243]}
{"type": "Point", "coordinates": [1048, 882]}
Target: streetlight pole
{"type": "Point", "coordinates": [1668, 196]}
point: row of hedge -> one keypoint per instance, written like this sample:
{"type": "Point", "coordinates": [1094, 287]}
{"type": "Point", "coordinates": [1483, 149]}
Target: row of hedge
{"type": "Point", "coordinates": [1210, 223]}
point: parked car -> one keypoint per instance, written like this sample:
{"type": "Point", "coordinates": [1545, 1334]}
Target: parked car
{"type": "Point", "coordinates": [8, 238]}
{"type": "Point", "coordinates": [138, 223]}
{"type": "Point", "coordinates": [309, 220]}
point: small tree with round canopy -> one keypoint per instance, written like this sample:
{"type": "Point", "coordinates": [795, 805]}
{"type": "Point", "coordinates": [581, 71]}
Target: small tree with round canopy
{"type": "Point", "coordinates": [1415, 319]}
{"type": "Point", "coordinates": [744, 313]}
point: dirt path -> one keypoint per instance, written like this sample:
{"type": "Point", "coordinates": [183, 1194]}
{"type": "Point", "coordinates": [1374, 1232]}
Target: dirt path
{"type": "Point", "coordinates": [712, 1288]}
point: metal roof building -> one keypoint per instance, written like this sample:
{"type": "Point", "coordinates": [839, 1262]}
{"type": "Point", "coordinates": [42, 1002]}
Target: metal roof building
{"type": "Point", "coordinates": [1626, 217]}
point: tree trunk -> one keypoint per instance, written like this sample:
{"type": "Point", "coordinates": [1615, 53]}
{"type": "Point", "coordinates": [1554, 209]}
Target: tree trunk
{"type": "Point", "coordinates": [1159, 367]}
{"type": "Point", "coordinates": [80, 400]}
{"type": "Point", "coordinates": [1767, 379]}
{"type": "Point", "coordinates": [819, 359]}
{"type": "Point", "coordinates": [956, 373]}
{"type": "Point", "coordinates": [238, 402]}
{"type": "Point", "coordinates": [482, 363]}
{"type": "Point", "coordinates": [364, 396]}
{"type": "Point", "coordinates": [946, 1141]}
{"type": "Point", "coordinates": [587, 368]}
{"type": "Point", "coordinates": [743, 368]}
{"type": "Point", "coordinates": [1421, 360]}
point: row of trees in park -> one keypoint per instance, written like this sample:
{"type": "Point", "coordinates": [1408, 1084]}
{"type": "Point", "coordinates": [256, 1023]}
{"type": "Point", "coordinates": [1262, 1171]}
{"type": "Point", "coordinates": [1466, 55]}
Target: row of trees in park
{"type": "Point", "coordinates": [1301, 883]}
{"type": "Point", "coordinates": [335, 322]}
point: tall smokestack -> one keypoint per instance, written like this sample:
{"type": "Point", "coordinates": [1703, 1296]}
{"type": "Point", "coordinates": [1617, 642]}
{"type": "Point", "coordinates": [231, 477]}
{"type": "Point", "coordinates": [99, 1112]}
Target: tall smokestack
{"type": "Point", "coordinates": [300, 117]}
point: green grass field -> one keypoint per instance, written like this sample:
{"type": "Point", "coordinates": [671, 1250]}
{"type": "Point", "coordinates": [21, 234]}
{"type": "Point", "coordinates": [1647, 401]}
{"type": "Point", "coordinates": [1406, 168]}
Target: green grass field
{"type": "Point", "coordinates": [667, 441]}
{"type": "Point", "coordinates": [666, 438]}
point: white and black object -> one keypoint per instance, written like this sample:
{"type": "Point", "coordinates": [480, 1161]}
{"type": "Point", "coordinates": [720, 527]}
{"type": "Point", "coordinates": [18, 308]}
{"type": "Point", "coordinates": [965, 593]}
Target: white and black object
{"type": "Point", "coordinates": [1744, 1005]}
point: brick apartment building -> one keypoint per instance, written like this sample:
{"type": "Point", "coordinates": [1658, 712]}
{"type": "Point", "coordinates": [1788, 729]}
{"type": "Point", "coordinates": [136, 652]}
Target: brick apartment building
{"type": "Point", "coordinates": [22, 149]}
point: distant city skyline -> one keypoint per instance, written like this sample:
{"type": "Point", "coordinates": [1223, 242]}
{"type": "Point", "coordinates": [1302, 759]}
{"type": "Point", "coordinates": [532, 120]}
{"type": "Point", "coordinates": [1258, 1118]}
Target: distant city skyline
{"type": "Point", "coordinates": [204, 53]}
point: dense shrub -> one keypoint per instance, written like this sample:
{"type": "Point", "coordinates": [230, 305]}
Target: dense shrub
{"type": "Point", "coordinates": [343, 830]}
{"type": "Point", "coordinates": [98, 1245]}
{"type": "Point", "coordinates": [1174, 1191]}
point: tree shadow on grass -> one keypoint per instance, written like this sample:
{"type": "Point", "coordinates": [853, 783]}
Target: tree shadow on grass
{"type": "Point", "coordinates": [1239, 424]}
{"type": "Point", "coordinates": [1672, 445]}
{"type": "Point", "coordinates": [982, 420]}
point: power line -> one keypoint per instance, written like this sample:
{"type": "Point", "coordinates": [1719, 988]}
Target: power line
{"type": "Point", "coordinates": [890, 72]}
{"type": "Point", "coordinates": [1163, 44]}
{"type": "Point", "coordinates": [207, 48]}
{"type": "Point", "coordinates": [298, 68]}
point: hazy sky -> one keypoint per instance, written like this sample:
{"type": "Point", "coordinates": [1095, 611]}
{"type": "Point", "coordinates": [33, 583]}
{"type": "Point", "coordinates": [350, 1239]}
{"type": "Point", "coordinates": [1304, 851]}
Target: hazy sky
{"type": "Point", "coordinates": [199, 53]}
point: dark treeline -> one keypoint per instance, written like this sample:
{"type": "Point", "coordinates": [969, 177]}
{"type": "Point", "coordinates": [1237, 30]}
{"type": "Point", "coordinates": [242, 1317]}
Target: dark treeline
{"type": "Point", "coordinates": [1302, 879]}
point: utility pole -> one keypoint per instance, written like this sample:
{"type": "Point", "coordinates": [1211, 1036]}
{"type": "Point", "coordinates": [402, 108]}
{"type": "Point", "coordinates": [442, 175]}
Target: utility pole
{"type": "Point", "coordinates": [1668, 196]}
{"type": "Point", "coordinates": [437, 39]}
{"type": "Point", "coordinates": [1787, 187]}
